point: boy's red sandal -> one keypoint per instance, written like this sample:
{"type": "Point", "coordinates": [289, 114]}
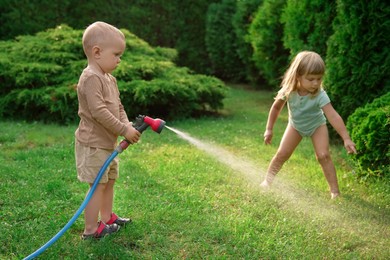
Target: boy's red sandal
{"type": "Point", "coordinates": [118, 220]}
{"type": "Point", "coordinates": [102, 231]}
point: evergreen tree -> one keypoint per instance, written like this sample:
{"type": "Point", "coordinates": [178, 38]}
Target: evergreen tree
{"type": "Point", "coordinates": [358, 57]}
{"type": "Point", "coordinates": [245, 13]}
{"type": "Point", "coordinates": [307, 25]}
{"type": "Point", "coordinates": [221, 41]}
{"type": "Point", "coordinates": [266, 33]}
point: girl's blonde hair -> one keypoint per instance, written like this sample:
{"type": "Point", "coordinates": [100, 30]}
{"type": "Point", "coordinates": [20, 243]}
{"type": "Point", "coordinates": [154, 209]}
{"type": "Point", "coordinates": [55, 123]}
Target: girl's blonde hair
{"type": "Point", "coordinates": [100, 33]}
{"type": "Point", "coordinates": [304, 63]}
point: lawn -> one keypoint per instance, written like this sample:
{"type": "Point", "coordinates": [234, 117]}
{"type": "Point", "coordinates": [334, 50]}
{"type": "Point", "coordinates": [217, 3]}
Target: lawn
{"type": "Point", "coordinates": [192, 200]}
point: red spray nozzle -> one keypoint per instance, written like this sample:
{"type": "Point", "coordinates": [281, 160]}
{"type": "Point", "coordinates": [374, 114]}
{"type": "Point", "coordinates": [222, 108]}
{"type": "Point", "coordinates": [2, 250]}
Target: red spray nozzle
{"type": "Point", "coordinates": [142, 122]}
{"type": "Point", "coordinates": [157, 124]}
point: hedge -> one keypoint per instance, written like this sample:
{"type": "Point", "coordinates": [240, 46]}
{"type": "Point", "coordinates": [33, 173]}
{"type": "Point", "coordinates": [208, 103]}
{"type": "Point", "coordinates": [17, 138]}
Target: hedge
{"type": "Point", "coordinates": [242, 19]}
{"type": "Point", "coordinates": [307, 25]}
{"type": "Point", "coordinates": [358, 56]}
{"type": "Point", "coordinates": [221, 42]}
{"type": "Point", "coordinates": [370, 130]}
{"type": "Point", "coordinates": [38, 75]}
{"type": "Point", "coordinates": [266, 33]}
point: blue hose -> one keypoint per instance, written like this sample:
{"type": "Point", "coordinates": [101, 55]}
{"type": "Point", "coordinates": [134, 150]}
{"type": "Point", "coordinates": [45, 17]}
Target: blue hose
{"type": "Point", "coordinates": [79, 211]}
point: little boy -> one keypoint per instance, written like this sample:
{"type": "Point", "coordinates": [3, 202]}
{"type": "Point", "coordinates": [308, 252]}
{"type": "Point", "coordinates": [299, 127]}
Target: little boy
{"type": "Point", "coordinates": [102, 120]}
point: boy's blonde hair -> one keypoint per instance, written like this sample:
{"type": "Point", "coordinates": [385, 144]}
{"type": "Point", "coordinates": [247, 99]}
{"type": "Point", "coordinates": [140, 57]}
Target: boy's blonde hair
{"type": "Point", "coordinates": [99, 33]}
{"type": "Point", "coordinates": [304, 63]}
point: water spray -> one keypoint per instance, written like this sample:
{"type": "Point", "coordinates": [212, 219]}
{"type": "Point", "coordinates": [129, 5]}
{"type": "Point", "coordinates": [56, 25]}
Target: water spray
{"type": "Point", "coordinates": [141, 124]}
{"type": "Point", "coordinates": [249, 169]}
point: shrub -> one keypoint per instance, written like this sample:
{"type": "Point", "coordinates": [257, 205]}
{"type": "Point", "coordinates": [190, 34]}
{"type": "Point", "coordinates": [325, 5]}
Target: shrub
{"type": "Point", "coordinates": [177, 24]}
{"type": "Point", "coordinates": [39, 73]}
{"type": "Point", "coordinates": [221, 41]}
{"type": "Point", "coordinates": [370, 130]}
{"type": "Point", "coordinates": [176, 94]}
{"type": "Point", "coordinates": [306, 25]}
{"type": "Point", "coordinates": [266, 33]}
{"type": "Point", "coordinates": [243, 17]}
{"type": "Point", "coordinates": [48, 104]}
{"type": "Point", "coordinates": [358, 56]}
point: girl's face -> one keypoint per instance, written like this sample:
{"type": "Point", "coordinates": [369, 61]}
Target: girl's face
{"type": "Point", "coordinates": [309, 83]}
{"type": "Point", "coordinates": [110, 55]}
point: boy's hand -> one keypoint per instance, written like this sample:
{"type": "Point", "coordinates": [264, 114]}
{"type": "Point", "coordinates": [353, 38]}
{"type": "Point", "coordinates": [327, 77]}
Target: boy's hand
{"type": "Point", "coordinates": [268, 136]}
{"type": "Point", "coordinates": [350, 146]}
{"type": "Point", "coordinates": [132, 135]}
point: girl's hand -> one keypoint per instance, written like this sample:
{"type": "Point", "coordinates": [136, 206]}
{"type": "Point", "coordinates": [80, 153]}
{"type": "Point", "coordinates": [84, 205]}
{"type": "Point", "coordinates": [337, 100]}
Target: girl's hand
{"type": "Point", "coordinates": [132, 135]}
{"type": "Point", "coordinates": [268, 136]}
{"type": "Point", "coordinates": [350, 146]}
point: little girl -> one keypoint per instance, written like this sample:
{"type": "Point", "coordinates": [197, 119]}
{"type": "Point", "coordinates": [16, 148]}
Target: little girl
{"type": "Point", "coordinates": [307, 103]}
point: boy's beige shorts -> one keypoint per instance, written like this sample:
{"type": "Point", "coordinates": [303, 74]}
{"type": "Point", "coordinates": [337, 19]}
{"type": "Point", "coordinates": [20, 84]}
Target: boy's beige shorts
{"type": "Point", "coordinates": [89, 161]}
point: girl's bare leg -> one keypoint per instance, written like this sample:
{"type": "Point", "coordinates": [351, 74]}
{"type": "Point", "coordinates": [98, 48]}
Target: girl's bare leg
{"type": "Point", "coordinates": [320, 140]}
{"type": "Point", "coordinates": [91, 213]}
{"type": "Point", "coordinates": [107, 201]}
{"type": "Point", "coordinates": [291, 139]}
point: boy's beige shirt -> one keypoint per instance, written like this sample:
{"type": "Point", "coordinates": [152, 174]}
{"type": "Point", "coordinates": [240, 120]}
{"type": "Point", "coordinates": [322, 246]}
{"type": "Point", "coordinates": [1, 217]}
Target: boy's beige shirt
{"type": "Point", "coordinates": [102, 116]}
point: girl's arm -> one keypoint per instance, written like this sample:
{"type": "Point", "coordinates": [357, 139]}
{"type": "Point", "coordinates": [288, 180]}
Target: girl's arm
{"type": "Point", "coordinates": [274, 112]}
{"type": "Point", "coordinates": [338, 124]}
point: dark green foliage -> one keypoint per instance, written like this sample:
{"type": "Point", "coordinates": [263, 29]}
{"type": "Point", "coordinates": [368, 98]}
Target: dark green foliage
{"type": "Point", "coordinates": [370, 130]}
{"type": "Point", "coordinates": [221, 42]}
{"type": "Point", "coordinates": [245, 12]}
{"type": "Point", "coordinates": [20, 17]}
{"type": "Point", "coordinates": [307, 25]}
{"type": "Point", "coordinates": [39, 74]}
{"type": "Point", "coordinates": [176, 94]}
{"type": "Point", "coordinates": [266, 33]}
{"type": "Point", "coordinates": [190, 23]}
{"type": "Point", "coordinates": [358, 57]}
{"type": "Point", "coordinates": [176, 24]}
{"type": "Point", "coordinates": [48, 104]}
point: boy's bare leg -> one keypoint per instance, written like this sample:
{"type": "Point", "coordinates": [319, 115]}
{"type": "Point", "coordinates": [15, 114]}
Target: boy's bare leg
{"type": "Point", "coordinates": [320, 140]}
{"type": "Point", "coordinates": [107, 201]}
{"type": "Point", "coordinates": [91, 213]}
{"type": "Point", "coordinates": [291, 139]}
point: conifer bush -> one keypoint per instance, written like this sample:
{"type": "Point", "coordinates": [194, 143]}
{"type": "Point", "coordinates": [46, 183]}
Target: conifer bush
{"type": "Point", "coordinates": [307, 25]}
{"type": "Point", "coordinates": [221, 41]}
{"type": "Point", "coordinates": [266, 33]}
{"type": "Point", "coordinates": [39, 74]}
{"type": "Point", "coordinates": [242, 19]}
{"type": "Point", "coordinates": [175, 24]}
{"type": "Point", "coordinates": [358, 55]}
{"type": "Point", "coordinates": [370, 130]}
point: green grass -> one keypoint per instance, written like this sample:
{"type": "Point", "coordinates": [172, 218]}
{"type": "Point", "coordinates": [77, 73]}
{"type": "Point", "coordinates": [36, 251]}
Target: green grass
{"type": "Point", "coordinates": [188, 203]}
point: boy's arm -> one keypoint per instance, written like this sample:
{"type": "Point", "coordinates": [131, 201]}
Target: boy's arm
{"type": "Point", "coordinates": [338, 124]}
{"type": "Point", "coordinates": [122, 114]}
{"type": "Point", "coordinates": [131, 134]}
{"type": "Point", "coordinates": [274, 112]}
{"type": "Point", "coordinates": [99, 110]}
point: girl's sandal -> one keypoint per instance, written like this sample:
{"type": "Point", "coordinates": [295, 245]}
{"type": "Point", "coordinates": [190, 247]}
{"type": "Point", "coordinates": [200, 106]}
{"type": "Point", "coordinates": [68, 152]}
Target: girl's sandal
{"type": "Point", "coordinates": [102, 231]}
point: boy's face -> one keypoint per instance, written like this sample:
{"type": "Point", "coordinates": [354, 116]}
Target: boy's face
{"type": "Point", "coordinates": [109, 55]}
